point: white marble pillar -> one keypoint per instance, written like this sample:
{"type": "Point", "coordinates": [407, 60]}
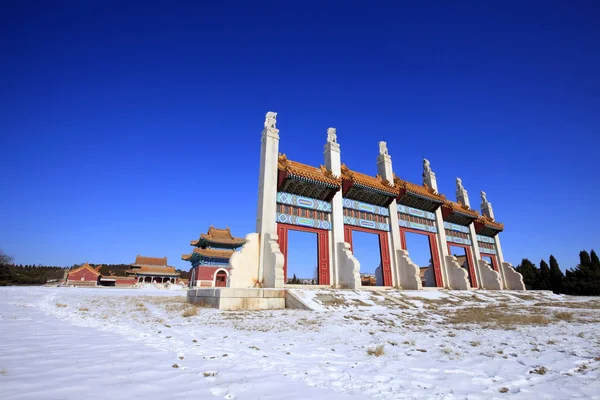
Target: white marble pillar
{"type": "Point", "coordinates": [266, 222]}
{"type": "Point", "coordinates": [488, 211]}
{"type": "Point", "coordinates": [462, 197]}
{"type": "Point", "coordinates": [429, 179]}
{"type": "Point", "coordinates": [384, 169]}
{"type": "Point", "coordinates": [333, 162]}
{"type": "Point", "coordinates": [461, 193]}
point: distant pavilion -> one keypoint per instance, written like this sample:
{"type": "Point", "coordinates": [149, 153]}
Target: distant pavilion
{"type": "Point", "coordinates": [210, 257]}
{"type": "Point", "coordinates": [152, 269]}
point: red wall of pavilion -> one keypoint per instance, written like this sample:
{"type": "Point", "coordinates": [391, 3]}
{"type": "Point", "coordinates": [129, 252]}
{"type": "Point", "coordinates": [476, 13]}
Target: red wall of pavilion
{"type": "Point", "coordinates": [126, 281]}
{"type": "Point", "coordinates": [85, 273]}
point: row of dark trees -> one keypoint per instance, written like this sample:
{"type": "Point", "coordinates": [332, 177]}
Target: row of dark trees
{"type": "Point", "coordinates": [583, 280]}
{"type": "Point", "coordinates": [12, 274]}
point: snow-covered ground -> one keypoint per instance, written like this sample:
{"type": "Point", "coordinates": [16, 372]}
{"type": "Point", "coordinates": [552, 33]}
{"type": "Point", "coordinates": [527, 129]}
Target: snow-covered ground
{"type": "Point", "coordinates": [70, 343]}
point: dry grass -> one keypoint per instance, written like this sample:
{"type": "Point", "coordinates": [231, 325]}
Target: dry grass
{"type": "Point", "coordinates": [377, 351]}
{"type": "Point", "coordinates": [526, 297]}
{"type": "Point", "coordinates": [503, 390]}
{"type": "Point", "coordinates": [84, 309]}
{"type": "Point", "coordinates": [3, 372]}
{"type": "Point", "coordinates": [329, 300]}
{"type": "Point", "coordinates": [564, 316]}
{"type": "Point", "coordinates": [539, 371]}
{"type": "Point", "coordinates": [474, 343]}
{"type": "Point", "coordinates": [593, 305]}
{"type": "Point", "coordinates": [209, 373]}
{"type": "Point", "coordinates": [190, 311]}
{"type": "Point", "coordinates": [495, 317]}
{"type": "Point", "coordinates": [60, 305]}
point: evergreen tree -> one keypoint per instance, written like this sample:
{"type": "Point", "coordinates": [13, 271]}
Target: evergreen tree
{"type": "Point", "coordinates": [594, 259]}
{"type": "Point", "coordinates": [5, 275]}
{"type": "Point", "coordinates": [531, 275]}
{"type": "Point", "coordinates": [544, 276]}
{"type": "Point", "coordinates": [104, 270]}
{"type": "Point", "coordinates": [584, 279]}
{"type": "Point", "coordinates": [556, 276]}
{"type": "Point", "coordinates": [584, 258]}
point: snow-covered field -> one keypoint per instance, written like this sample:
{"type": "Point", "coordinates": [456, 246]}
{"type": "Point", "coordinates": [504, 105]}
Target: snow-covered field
{"type": "Point", "coordinates": [69, 343]}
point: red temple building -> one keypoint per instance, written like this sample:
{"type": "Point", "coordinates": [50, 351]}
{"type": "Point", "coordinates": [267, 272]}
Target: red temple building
{"type": "Point", "coordinates": [85, 275]}
{"type": "Point", "coordinates": [88, 276]}
{"type": "Point", "coordinates": [210, 258]}
{"type": "Point", "coordinates": [152, 270]}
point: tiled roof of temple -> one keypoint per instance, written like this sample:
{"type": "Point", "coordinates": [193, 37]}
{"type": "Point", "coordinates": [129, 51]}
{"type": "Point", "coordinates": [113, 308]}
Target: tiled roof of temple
{"type": "Point", "coordinates": [157, 261]}
{"type": "Point", "coordinates": [312, 174]}
{"type": "Point", "coordinates": [487, 221]}
{"type": "Point", "coordinates": [371, 182]}
{"type": "Point", "coordinates": [170, 271]}
{"type": "Point", "coordinates": [218, 236]}
{"type": "Point", "coordinates": [419, 190]}
{"type": "Point", "coordinates": [462, 209]}
{"type": "Point", "coordinates": [209, 253]}
{"type": "Point", "coordinates": [86, 266]}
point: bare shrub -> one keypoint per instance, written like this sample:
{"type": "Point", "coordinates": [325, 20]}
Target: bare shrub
{"type": "Point", "coordinates": [377, 351]}
{"type": "Point", "coordinates": [190, 311]}
{"type": "Point", "coordinates": [474, 343]}
{"type": "Point", "coordinates": [83, 309]}
{"type": "Point", "coordinates": [503, 390]}
{"type": "Point", "coordinates": [60, 305]}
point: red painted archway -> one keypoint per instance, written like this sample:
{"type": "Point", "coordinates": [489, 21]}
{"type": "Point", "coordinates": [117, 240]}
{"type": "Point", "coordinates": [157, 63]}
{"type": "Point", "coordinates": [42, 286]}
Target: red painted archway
{"type": "Point", "coordinates": [468, 253]}
{"type": "Point", "coordinates": [384, 251]}
{"type": "Point", "coordinates": [432, 248]}
{"type": "Point", "coordinates": [322, 249]}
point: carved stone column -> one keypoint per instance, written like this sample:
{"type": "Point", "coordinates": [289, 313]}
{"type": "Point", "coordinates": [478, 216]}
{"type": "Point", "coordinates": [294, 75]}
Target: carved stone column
{"type": "Point", "coordinates": [333, 162]}
{"type": "Point", "coordinates": [384, 169]}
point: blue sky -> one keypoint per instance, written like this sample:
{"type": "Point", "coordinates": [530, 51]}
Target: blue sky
{"type": "Point", "coordinates": [128, 129]}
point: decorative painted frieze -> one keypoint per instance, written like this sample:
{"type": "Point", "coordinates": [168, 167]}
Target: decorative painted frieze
{"type": "Point", "coordinates": [203, 262]}
{"type": "Point", "coordinates": [485, 239]}
{"type": "Point", "coordinates": [416, 212]}
{"type": "Point", "coordinates": [488, 251]}
{"type": "Point", "coordinates": [304, 202]}
{"type": "Point", "coordinates": [364, 223]}
{"type": "Point", "coordinates": [303, 221]}
{"type": "Point", "coordinates": [459, 240]}
{"type": "Point", "coordinates": [455, 227]}
{"type": "Point", "coordinates": [366, 207]}
{"type": "Point", "coordinates": [418, 226]}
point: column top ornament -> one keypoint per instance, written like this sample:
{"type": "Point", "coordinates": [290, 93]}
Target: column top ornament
{"type": "Point", "coordinates": [383, 150]}
{"type": "Point", "coordinates": [271, 121]}
{"type": "Point", "coordinates": [331, 135]}
{"type": "Point", "coordinates": [484, 199]}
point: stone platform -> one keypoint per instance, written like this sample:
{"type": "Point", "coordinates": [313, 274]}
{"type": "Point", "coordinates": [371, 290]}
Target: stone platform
{"type": "Point", "coordinates": [238, 299]}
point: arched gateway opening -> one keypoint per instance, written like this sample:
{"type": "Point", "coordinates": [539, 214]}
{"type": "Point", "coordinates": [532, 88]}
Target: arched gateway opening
{"type": "Point", "coordinates": [221, 278]}
{"type": "Point", "coordinates": [322, 261]}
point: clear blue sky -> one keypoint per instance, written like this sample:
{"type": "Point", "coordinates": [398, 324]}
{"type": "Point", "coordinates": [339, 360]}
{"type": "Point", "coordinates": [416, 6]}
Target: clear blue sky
{"type": "Point", "coordinates": [129, 128]}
